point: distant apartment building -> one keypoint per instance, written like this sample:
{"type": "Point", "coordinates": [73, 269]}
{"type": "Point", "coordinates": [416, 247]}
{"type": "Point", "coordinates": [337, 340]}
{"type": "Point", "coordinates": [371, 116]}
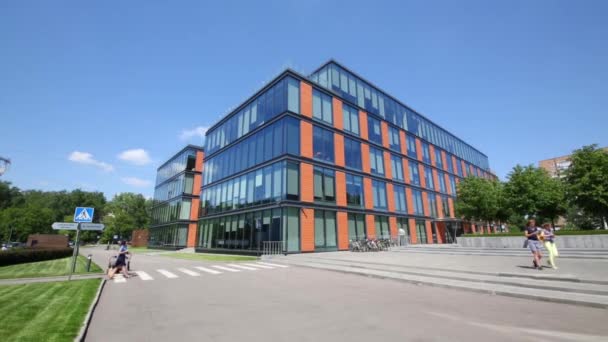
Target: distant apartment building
{"type": "Point", "coordinates": [558, 165]}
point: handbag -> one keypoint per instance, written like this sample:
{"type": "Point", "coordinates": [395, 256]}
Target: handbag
{"type": "Point", "coordinates": [525, 243]}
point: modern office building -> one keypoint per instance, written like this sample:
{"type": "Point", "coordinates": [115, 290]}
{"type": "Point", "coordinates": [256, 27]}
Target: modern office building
{"type": "Point", "coordinates": [314, 162]}
{"type": "Point", "coordinates": [177, 200]}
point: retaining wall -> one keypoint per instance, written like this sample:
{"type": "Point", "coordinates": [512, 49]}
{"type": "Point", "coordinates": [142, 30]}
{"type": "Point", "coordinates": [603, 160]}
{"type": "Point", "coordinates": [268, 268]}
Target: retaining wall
{"type": "Point", "coordinates": [568, 241]}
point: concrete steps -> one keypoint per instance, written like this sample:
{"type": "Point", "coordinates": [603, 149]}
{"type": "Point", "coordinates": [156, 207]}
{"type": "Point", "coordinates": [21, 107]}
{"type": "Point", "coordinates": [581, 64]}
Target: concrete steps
{"type": "Point", "coordinates": [554, 288]}
{"type": "Point", "coordinates": [564, 253]}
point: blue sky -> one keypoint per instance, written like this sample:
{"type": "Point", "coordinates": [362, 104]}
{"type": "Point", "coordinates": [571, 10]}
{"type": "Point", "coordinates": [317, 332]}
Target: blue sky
{"type": "Point", "coordinates": [96, 95]}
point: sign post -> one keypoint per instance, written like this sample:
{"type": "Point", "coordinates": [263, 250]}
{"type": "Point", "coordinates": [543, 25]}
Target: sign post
{"type": "Point", "coordinates": [81, 214]}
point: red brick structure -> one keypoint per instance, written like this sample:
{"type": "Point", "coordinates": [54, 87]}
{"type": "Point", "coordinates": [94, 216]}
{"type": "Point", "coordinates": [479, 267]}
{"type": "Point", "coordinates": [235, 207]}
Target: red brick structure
{"type": "Point", "coordinates": [139, 238]}
{"type": "Point", "coordinates": [47, 241]}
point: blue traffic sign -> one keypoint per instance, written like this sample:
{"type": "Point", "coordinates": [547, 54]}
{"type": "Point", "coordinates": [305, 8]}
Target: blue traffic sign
{"type": "Point", "coordinates": [82, 214]}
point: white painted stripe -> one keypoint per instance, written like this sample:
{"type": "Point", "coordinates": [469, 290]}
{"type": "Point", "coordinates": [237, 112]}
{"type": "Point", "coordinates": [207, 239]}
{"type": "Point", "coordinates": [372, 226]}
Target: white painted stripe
{"type": "Point", "coordinates": [208, 270]}
{"type": "Point", "coordinates": [143, 275]}
{"type": "Point", "coordinates": [188, 272]}
{"type": "Point", "coordinates": [119, 279]}
{"type": "Point", "coordinates": [167, 273]}
{"type": "Point", "coordinates": [243, 267]}
{"type": "Point", "coordinates": [226, 269]}
{"type": "Point", "coordinates": [259, 266]}
{"type": "Point", "coordinates": [269, 264]}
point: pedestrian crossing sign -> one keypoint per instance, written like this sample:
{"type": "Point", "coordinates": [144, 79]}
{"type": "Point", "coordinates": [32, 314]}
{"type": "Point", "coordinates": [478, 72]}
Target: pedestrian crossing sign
{"type": "Point", "coordinates": [83, 214]}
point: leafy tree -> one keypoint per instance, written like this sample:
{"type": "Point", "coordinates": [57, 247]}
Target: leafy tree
{"type": "Point", "coordinates": [479, 199]}
{"type": "Point", "coordinates": [530, 191]}
{"type": "Point", "coordinates": [22, 221]}
{"type": "Point", "coordinates": [126, 212]}
{"type": "Point", "coordinates": [9, 195]}
{"type": "Point", "coordinates": [587, 181]}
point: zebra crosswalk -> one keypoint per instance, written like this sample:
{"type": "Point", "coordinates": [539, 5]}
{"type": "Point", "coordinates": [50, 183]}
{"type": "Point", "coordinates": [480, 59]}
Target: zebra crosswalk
{"type": "Point", "coordinates": [195, 271]}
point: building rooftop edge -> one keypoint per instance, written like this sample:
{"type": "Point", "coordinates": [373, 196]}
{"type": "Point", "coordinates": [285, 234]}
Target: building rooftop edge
{"type": "Point", "coordinates": [196, 147]}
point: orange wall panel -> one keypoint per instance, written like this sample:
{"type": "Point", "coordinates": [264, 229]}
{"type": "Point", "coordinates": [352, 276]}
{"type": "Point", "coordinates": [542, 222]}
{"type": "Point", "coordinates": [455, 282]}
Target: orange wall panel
{"type": "Point", "coordinates": [432, 152]}
{"type": "Point", "coordinates": [436, 179]}
{"type": "Point", "coordinates": [306, 183]}
{"type": "Point", "coordinates": [454, 165]}
{"type": "Point", "coordinates": [365, 163]}
{"type": "Point", "coordinates": [387, 165]}
{"type": "Point", "coordinates": [339, 149]}
{"type": "Point", "coordinates": [198, 164]}
{"type": "Point", "coordinates": [194, 206]}
{"type": "Point", "coordinates": [306, 99]}
{"type": "Point", "coordinates": [392, 223]}
{"type": "Point", "coordinates": [307, 229]}
{"type": "Point", "coordinates": [363, 125]}
{"type": "Point", "coordinates": [410, 200]}
{"type": "Point", "coordinates": [390, 197]}
{"type": "Point", "coordinates": [384, 131]}
{"type": "Point", "coordinates": [340, 188]}
{"type": "Point", "coordinates": [306, 139]}
{"type": "Point", "coordinates": [370, 224]}
{"type": "Point", "coordinates": [421, 174]}
{"type": "Point", "coordinates": [403, 141]}
{"type": "Point", "coordinates": [419, 153]}
{"type": "Point", "coordinates": [337, 111]}
{"type": "Point", "coordinates": [439, 206]}
{"type": "Point", "coordinates": [425, 203]}
{"type": "Point", "coordinates": [440, 231]}
{"type": "Point", "coordinates": [342, 230]}
{"type": "Point", "coordinates": [191, 242]}
{"type": "Point", "coordinates": [464, 169]}
{"type": "Point", "coordinates": [413, 233]}
{"type": "Point", "coordinates": [367, 193]}
{"type": "Point", "coordinates": [447, 183]}
{"type": "Point", "coordinates": [406, 170]}
{"type": "Point", "coordinates": [196, 184]}
{"type": "Point", "coordinates": [444, 159]}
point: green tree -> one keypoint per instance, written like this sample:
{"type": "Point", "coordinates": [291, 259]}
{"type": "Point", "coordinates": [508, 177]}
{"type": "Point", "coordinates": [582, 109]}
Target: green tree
{"type": "Point", "coordinates": [126, 212]}
{"type": "Point", "coordinates": [530, 191]}
{"type": "Point", "coordinates": [481, 199]}
{"type": "Point", "coordinates": [19, 222]}
{"type": "Point", "coordinates": [9, 195]}
{"type": "Point", "coordinates": [587, 181]}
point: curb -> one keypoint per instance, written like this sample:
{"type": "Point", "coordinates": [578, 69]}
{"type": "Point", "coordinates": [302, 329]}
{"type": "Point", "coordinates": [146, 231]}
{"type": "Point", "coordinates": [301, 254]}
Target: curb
{"type": "Point", "coordinates": [17, 281]}
{"type": "Point", "coordinates": [87, 321]}
{"type": "Point", "coordinates": [463, 288]}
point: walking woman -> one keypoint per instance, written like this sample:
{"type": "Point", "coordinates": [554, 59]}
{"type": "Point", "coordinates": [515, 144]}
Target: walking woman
{"type": "Point", "coordinates": [549, 244]}
{"type": "Point", "coordinates": [121, 261]}
{"type": "Point", "coordinates": [532, 233]}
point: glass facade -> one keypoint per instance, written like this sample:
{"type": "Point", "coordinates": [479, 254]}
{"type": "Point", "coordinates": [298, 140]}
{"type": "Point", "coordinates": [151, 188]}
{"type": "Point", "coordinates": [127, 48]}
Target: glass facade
{"type": "Point", "coordinates": [426, 153]}
{"type": "Point", "coordinates": [400, 203]}
{"type": "Point", "coordinates": [428, 178]}
{"type": "Point", "coordinates": [168, 236]}
{"type": "Point", "coordinates": [438, 159]}
{"type": "Point", "coordinates": [374, 131]}
{"type": "Point", "coordinates": [356, 227]}
{"type": "Point", "coordinates": [182, 162]}
{"type": "Point", "coordinates": [322, 107]}
{"type": "Point", "coordinates": [381, 225]}
{"type": "Point", "coordinates": [282, 96]}
{"type": "Point", "coordinates": [376, 160]}
{"type": "Point", "coordinates": [352, 153]}
{"type": "Point", "coordinates": [421, 231]}
{"type": "Point", "coordinates": [248, 231]}
{"type": "Point", "coordinates": [178, 186]}
{"type": "Point", "coordinates": [418, 206]}
{"type": "Point", "coordinates": [269, 184]}
{"type": "Point", "coordinates": [272, 141]}
{"type": "Point", "coordinates": [357, 91]}
{"type": "Point", "coordinates": [379, 194]}
{"type": "Point", "coordinates": [397, 168]}
{"type": "Point", "coordinates": [393, 139]}
{"type": "Point", "coordinates": [325, 230]}
{"type": "Point", "coordinates": [411, 146]}
{"type": "Point", "coordinates": [324, 185]}
{"type": "Point", "coordinates": [354, 190]}
{"type": "Point", "coordinates": [351, 119]}
{"type": "Point", "coordinates": [323, 144]}
{"type": "Point", "coordinates": [414, 173]}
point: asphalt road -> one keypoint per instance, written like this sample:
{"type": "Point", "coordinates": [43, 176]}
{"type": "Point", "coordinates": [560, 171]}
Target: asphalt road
{"type": "Point", "coordinates": [301, 304]}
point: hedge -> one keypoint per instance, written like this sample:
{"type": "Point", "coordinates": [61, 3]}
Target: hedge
{"type": "Point", "coordinates": [557, 233]}
{"type": "Point", "coordinates": [21, 256]}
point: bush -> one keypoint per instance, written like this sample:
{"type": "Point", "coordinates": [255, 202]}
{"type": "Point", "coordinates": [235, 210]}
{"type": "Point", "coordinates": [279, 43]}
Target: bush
{"type": "Point", "coordinates": [21, 256]}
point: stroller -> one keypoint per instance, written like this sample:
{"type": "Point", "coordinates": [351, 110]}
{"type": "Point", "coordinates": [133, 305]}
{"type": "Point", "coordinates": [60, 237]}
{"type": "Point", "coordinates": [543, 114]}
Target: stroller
{"type": "Point", "coordinates": [112, 262]}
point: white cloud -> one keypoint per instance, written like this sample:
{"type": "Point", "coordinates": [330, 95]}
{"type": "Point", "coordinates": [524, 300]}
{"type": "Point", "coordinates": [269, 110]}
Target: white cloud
{"type": "Point", "coordinates": [137, 156]}
{"type": "Point", "coordinates": [87, 159]}
{"type": "Point", "coordinates": [198, 132]}
{"type": "Point", "coordinates": [138, 182]}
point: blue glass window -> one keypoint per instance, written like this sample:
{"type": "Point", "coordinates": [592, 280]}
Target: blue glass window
{"type": "Point", "coordinates": [411, 146]}
{"type": "Point", "coordinates": [376, 160]}
{"type": "Point", "coordinates": [321, 106]}
{"type": "Point", "coordinates": [453, 185]}
{"type": "Point", "coordinates": [375, 132]}
{"type": "Point", "coordinates": [352, 153]}
{"type": "Point", "coordinates": [417, 198]}
{"type": "Point", "coordinates": [426, 153]}
{"type": "Point", "coordinates": [400, 203]}
{"type": "Point", "coordinates": [428, 178]}
{"type": "Point", "coordinates": [396, 167]}
{"type": "Point", "coordinates": [351, 119]}
{"type": "Point", "coordinates": [379, 194]}
{"type": "Point", "coordinates": [442, 186]}
{"type": "Point", "coordinates": [393, 139]}
{"type": "Point", "coordinates": [324, 184]}
{"type": "Point", "coordinates": [414, 173]}
{"type": "Point", "coordinates": [438, 159]}
{"type": "Point", "coordinates": [432, 204]}
{"type": "Point", "coordinates": [354, 190]}
{"type": "Point", "coordinates": [323, 144]}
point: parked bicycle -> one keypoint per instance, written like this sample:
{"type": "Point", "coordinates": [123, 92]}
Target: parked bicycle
{"type": "Point", "coordinates": [371, 245]}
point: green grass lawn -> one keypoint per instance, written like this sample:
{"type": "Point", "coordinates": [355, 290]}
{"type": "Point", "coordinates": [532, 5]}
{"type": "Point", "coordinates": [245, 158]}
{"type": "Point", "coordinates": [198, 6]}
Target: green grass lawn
{"type": "Point", "coordinates": [210, 257]}
{"type": "Point", "coordinates": [45, 311]}
{"type": "Point", "coordinates": [47, 268]}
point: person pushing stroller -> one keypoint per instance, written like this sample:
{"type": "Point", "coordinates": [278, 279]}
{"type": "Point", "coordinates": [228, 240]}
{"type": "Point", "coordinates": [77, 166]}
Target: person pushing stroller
{"type": "Point", "coordinates": [121, 261]}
